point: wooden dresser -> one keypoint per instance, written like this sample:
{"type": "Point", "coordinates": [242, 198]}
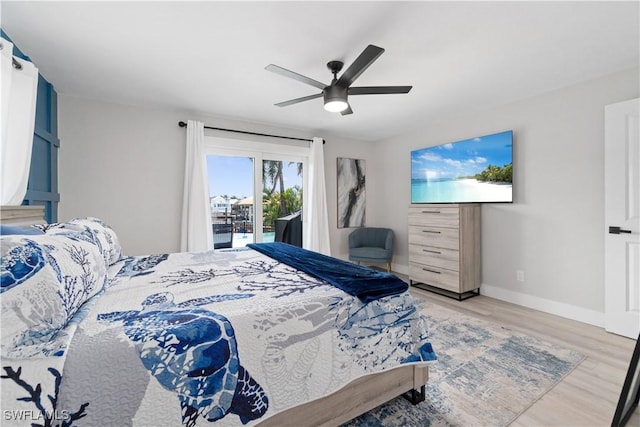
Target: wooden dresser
{"type": "Point", "coordinates": [444, 248]}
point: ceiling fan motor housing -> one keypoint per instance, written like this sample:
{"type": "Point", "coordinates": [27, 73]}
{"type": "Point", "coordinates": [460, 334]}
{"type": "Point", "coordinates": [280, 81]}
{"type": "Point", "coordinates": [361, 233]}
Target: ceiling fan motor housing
{"type": "Point", "coordinates": [335, 93]}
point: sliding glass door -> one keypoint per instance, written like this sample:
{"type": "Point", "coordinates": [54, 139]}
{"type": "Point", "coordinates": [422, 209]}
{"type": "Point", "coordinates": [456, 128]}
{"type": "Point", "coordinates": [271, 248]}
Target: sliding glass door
{"type": "Point", "coordinates": [255, 193]}
{"type": "Point", "coordinates": [231, 190]}
{"type": "Point", "coordinates": [281, 200]}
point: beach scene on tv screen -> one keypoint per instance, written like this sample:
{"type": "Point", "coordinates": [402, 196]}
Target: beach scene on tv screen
{"type": "Point", "coordinates": [474, 170]}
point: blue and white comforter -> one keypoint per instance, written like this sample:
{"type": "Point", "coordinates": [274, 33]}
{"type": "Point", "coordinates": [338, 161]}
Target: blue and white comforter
{"type": "Point", "coordinates": [226, 337]}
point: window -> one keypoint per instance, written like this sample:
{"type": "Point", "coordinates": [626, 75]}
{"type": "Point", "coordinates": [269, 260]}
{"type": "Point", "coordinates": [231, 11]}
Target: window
{"type": "Point", "coordinates": [273, 174]}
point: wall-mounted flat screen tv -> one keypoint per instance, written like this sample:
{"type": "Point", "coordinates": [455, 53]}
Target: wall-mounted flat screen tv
{"type": "Point", "coordinates": [476, 170]}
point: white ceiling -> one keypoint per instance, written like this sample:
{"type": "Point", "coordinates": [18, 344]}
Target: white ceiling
{"type": "Point", "coordinates": [209, 57]}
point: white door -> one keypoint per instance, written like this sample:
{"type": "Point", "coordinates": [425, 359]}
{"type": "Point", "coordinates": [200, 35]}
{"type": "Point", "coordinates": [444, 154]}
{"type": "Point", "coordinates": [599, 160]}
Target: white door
{"type": "Point", "coordinates": [622, 218]}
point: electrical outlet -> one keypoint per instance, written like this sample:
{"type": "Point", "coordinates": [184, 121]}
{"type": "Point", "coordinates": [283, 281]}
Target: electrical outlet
{"type": "Point", "coordinates": [520, 275]}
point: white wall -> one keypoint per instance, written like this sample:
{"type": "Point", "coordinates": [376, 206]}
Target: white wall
{"type": "Point", "coordinates": [125, 165]}
{"type": "Point", "coordinates": [554, 230]}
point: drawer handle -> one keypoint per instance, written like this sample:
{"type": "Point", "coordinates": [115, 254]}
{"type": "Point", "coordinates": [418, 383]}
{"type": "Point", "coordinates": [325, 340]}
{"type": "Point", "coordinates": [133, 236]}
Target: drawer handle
{"type": "Point", "coordinates": [430, 211]}
{"type": "Point", "coordinates": [433, 252]}
{"type": "Point", "coordinates": [431, 231]}
{"type": "Point", "coordinates": [432, 271]}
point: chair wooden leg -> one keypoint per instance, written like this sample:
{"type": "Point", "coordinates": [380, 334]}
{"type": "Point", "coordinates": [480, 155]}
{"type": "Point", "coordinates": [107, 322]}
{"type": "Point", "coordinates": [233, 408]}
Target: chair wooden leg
{"type": "Point", "coordinates": [388, 267]}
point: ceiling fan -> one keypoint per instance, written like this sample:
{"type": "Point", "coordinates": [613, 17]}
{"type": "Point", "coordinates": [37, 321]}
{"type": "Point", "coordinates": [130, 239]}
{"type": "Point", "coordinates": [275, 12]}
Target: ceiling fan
{"type": "Point", "coordinates": [336, 94]}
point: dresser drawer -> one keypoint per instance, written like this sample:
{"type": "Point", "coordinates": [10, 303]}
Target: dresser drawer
{"type": "Point", "coordinates": [437, 257]}
{"type": "Point", "coordinates": [448, 238]}
{"type": "Point", "coordinates": [438, 277]}
{"type": "Point", "coordinates": [435, 216]}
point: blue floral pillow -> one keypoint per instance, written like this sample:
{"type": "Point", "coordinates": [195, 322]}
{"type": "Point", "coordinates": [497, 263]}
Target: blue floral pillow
{"type": "Point", "coordinates": [104, 236]}
{"type": "Point", "coordinates": [44, 279]}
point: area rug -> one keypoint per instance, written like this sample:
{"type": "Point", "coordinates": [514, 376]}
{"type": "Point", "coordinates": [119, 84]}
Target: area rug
{"type": "Point", "coordinates": [486, 375]}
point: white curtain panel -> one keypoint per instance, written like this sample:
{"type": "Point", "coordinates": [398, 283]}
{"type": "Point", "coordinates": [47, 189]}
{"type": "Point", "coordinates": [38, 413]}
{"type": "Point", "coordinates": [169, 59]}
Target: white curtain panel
{"type": "Point", "coordinates": [196, 231]}
{"type": "Point", "coordinates": [315, 235]}
{"type": "Point", "coordinates": [7, 72]}
{"type": "Point", "coordinates": [19, 90]}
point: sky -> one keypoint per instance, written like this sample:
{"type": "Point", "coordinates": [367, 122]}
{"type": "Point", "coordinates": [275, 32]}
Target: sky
{"type": "Point", "coordinates": [462, 158]}
{"type": "Point", "coordinates": [233, 176]}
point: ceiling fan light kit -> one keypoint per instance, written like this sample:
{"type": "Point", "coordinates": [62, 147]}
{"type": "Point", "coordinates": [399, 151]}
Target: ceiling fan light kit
{"type": "Point", "coordinates": [335, 99]}
{"type": "Point", "coordinates": [336, 94]}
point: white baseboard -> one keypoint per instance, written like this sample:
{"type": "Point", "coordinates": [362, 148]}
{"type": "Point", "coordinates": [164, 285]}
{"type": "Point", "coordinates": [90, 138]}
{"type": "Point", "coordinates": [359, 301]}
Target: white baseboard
{"type": "Point", "coordinates": [584, 315]}
{"type": "Point", "coordinates": [568, 311]}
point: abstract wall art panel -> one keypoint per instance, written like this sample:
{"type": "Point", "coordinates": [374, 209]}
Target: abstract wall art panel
{"type": "Point", "coordinates": [351, 192]}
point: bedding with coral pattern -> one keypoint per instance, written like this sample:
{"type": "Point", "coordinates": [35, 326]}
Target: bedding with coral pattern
{"type": "Point", "coordinates": [227, 337]}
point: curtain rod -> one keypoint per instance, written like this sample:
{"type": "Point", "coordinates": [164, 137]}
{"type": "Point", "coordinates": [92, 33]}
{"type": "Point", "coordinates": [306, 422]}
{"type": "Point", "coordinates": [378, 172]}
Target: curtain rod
{"type": "Point", "coordinates": [183, 125]}
{"type": "Point", "coordinates": [16, 64]}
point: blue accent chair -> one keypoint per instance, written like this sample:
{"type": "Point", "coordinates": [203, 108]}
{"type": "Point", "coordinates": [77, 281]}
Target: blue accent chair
{"type": "Point", "coordinates": [370, 244]}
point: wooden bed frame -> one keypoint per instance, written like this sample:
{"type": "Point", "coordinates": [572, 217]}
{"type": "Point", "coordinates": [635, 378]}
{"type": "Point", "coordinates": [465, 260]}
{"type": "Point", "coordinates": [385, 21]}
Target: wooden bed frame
{"type": "Point", "coordinates": [352, 400]}
{"type": "Point", "coordinates": [21, 215]}
{"type": "Point", "coordinates": [356, 398]}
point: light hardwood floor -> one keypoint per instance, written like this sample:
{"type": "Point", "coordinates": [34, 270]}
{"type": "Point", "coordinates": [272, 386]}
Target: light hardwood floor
{"type": "Point", "coordinates": [588, 395]}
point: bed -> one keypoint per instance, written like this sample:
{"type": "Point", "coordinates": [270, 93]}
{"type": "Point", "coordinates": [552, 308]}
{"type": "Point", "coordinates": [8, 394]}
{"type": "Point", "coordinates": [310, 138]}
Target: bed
{"type": "Point", "coordinates": [266, 335]}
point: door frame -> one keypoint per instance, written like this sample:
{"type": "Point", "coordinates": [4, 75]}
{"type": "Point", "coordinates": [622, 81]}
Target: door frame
{"type": "Point", "coordinates": [259, 151]}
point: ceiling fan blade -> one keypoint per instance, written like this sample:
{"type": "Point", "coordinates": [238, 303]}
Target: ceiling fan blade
{"type": "Point", "coordinates": [299, 77]}
{"type": "Point", "coordinates": [362, 62]}
{"type": "Point", "coordinates": [378, 90]}
{"type": "Point", "coordinates": [295, 101]}
{"type": "Point", "coordinates": [347, 111]}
